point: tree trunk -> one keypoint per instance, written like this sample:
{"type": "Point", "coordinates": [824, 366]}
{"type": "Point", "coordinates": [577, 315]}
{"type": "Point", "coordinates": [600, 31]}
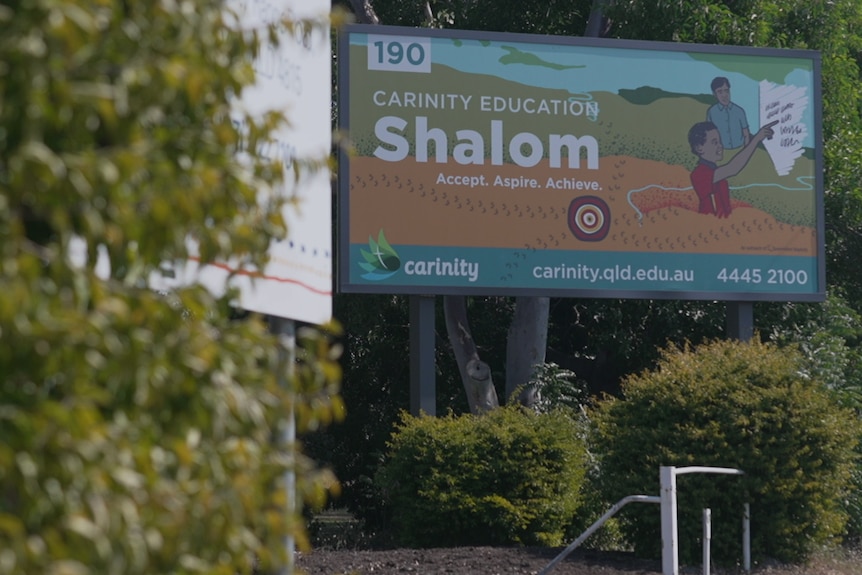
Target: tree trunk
{"type": "Point", "coordinates": [528, 334]}
{"type": "Point", "coordinates": [526, 345]}
{"type": "Point", "coordinates": [364, 12]}
{"type": "Point", "coordinates": [598, 24]}
{"type": "Point", "coordinates": [475, 373]}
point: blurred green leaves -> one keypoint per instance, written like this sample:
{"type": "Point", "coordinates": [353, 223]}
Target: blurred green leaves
{"type": "Point", "coordinates": [139, 429]}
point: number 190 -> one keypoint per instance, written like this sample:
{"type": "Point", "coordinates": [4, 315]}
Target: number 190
{"type": "Point", "coordinates": [399, 53]}
{"type": "Point", "coordinates": [396, 52]}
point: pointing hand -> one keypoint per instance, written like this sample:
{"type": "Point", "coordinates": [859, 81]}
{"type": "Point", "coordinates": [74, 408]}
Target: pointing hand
{"type": "Point", "coordinates": [766, 132]}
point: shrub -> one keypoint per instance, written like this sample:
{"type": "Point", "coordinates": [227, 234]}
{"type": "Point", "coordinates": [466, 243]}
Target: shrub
{"type": "Point", "coordinates": [730, 404]}
{"type": "Point", "coordinates": [511, 476]}
{"type": "Point", "coordinates": [827, 335]}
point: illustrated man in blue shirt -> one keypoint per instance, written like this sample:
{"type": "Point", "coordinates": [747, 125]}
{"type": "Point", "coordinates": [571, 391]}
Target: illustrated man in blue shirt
{"type": "Point", "coordinates": [728, 117]}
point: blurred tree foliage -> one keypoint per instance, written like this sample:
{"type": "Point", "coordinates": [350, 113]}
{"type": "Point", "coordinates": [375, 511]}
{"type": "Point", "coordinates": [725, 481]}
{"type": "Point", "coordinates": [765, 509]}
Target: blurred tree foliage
{"type": "Point", "coordinates": [139, 429]}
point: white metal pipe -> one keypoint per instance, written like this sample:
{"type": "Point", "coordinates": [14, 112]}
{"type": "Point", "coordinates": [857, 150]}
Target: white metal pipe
{"type": "Point", "coordinates": [669, 529]}
{"type": "Point", "coordinates": [707, 539]}
{"type": "Point", "coordinates": [706, 469]}
{"type": "Point", "coordinates": [285, 329]}
{"type": "Point", "coordinates": [669, 544]}
{"type": "Point", "coordinates": [596, 524]}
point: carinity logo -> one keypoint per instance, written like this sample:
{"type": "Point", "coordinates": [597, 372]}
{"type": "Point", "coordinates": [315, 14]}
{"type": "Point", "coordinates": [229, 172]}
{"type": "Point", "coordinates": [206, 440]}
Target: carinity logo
{"type": "Point", "coordinates": [381, 260]}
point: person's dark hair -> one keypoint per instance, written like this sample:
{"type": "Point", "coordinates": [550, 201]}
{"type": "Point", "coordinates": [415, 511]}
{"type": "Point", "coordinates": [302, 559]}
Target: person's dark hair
{"type": "Point", "coordinates": [718, 82]}
{"type": "Point", "coordinates": [697, 135]}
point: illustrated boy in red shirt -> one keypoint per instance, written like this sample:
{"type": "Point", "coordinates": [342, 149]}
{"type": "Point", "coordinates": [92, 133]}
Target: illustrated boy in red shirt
{"type": "Point", "coordinates": [708, 178]}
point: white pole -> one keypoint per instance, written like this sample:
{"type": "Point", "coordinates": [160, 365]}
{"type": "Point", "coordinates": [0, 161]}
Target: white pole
{"type": "Point", "coordinates": [669, 530]}
{"type": "Point", "coordinates": [669, 557]}
{"type": "Point", "coordinates": [746, 538]}
{"type": "Point", "coordinates": [707, 539]}
{"type": "Point", "coordinates": [286, 331]}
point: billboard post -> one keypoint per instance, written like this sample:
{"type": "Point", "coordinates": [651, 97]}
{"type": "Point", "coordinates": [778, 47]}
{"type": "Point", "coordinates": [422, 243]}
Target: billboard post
{"type": "Point", "coordinates": [740, 320]}
{"type": "Point", "coordinates": [508, 164]}
{"type": "Point", "coordinates": [423, 398]}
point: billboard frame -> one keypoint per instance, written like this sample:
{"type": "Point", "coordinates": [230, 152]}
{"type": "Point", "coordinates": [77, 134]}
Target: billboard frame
{"type": "Point", "coordinates": [343, 282]}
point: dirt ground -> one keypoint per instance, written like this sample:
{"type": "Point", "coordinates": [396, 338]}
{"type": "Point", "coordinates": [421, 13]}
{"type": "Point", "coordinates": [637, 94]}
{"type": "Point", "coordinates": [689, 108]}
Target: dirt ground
{"type": "Point", "coordinates": [528, 560]}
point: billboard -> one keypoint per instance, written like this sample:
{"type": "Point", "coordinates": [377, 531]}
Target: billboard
{"type": "Point", "coordinates": [503, 164]}
{"type": "Point", "coordinates": [294, 78]}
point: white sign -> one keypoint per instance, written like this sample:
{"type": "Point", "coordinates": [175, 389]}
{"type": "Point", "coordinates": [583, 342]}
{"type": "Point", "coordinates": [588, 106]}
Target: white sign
{"type": "Point", "coordinates": [293, 78]}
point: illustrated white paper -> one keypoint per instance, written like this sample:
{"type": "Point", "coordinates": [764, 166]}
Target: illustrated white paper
{"type": "Point", "coordinates": [786, 104]}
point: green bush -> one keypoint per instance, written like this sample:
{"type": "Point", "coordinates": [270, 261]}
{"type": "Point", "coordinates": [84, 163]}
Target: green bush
{"type": "Point", "coordinates": [730, 404]}
{"type": "Point", "coordinates": [827, 335]}
{"type": "Point", "coordinates": [511, 476]}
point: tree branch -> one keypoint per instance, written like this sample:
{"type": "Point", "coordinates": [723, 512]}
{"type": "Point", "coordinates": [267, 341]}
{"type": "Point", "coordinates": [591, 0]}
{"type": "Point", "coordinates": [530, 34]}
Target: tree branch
{"type": "Point", "coordinates": [364, 12]}
{"type": "Point", "coordinates": [598, 25]}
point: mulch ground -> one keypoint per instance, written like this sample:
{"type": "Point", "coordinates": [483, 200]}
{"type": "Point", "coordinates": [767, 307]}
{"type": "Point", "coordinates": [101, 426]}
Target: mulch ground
{"type": "Point", "coordinates": [527, 561]}
{"type": "Point", "coordinates": [471, 561]}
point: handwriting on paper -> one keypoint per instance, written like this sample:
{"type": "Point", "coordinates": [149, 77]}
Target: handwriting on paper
{"type": "Point", "coordinates": [786, 104]}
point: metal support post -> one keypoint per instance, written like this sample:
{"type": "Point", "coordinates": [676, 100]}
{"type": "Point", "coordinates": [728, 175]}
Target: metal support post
{"type": "Point", "coordinates": [286, 331]}
{"type": "Point", "coordinates": [707, 539]}
{"type": "Point", "coordinates": [423, 393]}
{"type": "Point", "coordinates": [669, 546]}
{"type": "Point", "coordinates": [669, 529]}
{"type": "Point", "coordinates": [740, 320]}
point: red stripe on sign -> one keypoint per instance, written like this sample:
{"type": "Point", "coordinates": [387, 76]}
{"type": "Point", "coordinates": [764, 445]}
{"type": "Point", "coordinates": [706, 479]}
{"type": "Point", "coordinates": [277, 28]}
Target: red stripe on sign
{"type": "Point", "coordinates": [265, 277]}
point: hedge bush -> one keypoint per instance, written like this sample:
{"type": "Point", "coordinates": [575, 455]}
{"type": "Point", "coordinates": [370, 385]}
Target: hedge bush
{"type": "Point", "coordinates": [730, 404]}
{"type": "Point", "coordinates": [511, 476]}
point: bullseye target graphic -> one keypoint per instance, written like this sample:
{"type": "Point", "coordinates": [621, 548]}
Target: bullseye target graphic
{"type": "Point", "coordinates": [589, 218]}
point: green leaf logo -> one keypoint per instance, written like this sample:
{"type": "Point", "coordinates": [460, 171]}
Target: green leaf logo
{"type": "Point", "coordinates": [380, 261]}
